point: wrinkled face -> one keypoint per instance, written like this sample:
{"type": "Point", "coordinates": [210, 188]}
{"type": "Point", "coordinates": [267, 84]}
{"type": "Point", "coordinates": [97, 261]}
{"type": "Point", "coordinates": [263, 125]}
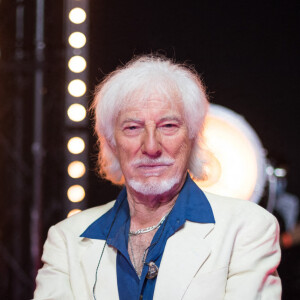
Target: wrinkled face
{"type": "Point", "coordinates": [153, 146]}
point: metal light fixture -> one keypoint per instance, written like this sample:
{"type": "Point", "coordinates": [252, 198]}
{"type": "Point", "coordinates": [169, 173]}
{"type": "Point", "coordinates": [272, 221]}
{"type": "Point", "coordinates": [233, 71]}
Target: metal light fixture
{"type": "Point", "coordinates": [237, 163]}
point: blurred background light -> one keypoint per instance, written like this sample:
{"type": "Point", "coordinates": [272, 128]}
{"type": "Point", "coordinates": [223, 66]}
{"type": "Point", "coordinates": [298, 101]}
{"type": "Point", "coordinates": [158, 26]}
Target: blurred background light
{"type": "Point", "coordinates": [269, 170]}
{"type": "Point", "coordinates": [77, 88]}
{"type": "Point", "coordinates": [76, 145]}
{"type": "Point", "coordinates": [76, 31]}
{"type": "Point", "coordinates": [280, 172]}
{"type": "Point", "coordinates": [76, 112]}
{"type": "Point", "coordinates": [237, 164]}
{"type": "Point", "coordinates": [73, 212]}
{"type": "Point", "coordinates": [77, 39]}
{"type": "Point", "coordinates": [76, 169]}
{"type": "Point", "coordinates": [77, 64]}
{"type": "Point", "coordinates": [76, 193]}
{"type": "Point", "coordinates": [77, 15]}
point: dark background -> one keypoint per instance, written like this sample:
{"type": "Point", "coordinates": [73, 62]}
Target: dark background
{"type": "Point", "coordinates": [246, 51]}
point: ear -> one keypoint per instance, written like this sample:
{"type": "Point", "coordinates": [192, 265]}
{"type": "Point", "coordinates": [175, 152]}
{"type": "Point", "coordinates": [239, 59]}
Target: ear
{"type": "Point", "coordinates": [106, 142]}
{"type": "Point", "coordinates": [112, 146]}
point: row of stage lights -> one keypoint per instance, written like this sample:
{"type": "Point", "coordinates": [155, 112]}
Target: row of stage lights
{"type": "Point", "coordinates": [76, 102]}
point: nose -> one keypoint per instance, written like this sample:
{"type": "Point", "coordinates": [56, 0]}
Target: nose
{"type": "Point", "coordinates": [151, 143]}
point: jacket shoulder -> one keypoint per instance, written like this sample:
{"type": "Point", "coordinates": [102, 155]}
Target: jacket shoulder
{"type": "Point", "coordinates": [80, 221]}
{"type": "Point", "coordinates": [230, 207]}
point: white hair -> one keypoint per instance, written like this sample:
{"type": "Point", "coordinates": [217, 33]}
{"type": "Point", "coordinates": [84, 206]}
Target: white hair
{"type": "Point", "coordinates": [137, 81]}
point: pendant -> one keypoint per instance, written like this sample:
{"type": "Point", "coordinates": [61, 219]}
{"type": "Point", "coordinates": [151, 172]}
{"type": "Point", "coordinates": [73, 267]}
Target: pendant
{"type": "Point", "coordinates": [152, 270]}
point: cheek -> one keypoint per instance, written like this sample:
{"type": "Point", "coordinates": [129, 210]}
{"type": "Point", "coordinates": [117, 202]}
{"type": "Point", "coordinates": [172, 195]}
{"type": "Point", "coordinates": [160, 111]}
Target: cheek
{"type": "Point", "coordinates": [185, 151]}
{"type": "Point", "coordinates": [180, 149]}
{"type": "Point", "coordinates": [126, 150]}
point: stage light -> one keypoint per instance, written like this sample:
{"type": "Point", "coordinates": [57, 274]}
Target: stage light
{"type": "Point", "coordinates": [280, 172]}
{"type": "Point", "coordinates": [77, 88]}
{"type": "Point", "coordinates": [237, 164]}
{"type": "Point", "coordinates": [76, 193]}
{"type": "Point", "coordinates": [77, 15]}
{"type": "Point", "coordinates": [76, 112]}
{"type": "Point", "coordinates": [77, 64]}
{"type": "Point", "coordinates": [270, 170]}
{"type": "Point", "coordinates": [73, 212]}
{"type": "Point", "coordinates": [76, 169]}
{"type": "Point", "coordinates": [77, 39]}
{"type": "Point", "coordinates": [76, 32]}
{"type": "Point", "coordinates": [76, 145]}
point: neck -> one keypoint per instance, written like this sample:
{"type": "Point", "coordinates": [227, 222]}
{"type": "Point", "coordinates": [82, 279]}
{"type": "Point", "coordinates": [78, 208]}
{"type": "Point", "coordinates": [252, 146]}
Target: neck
{"type": "Point", "coordinates": [147, 210]}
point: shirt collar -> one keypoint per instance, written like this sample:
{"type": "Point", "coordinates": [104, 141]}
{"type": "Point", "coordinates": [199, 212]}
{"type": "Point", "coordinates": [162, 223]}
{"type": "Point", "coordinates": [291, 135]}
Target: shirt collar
{"type": "Point", "coordinates": [191, 205]}
{"type": "Point", "coordinates": [111, 221]}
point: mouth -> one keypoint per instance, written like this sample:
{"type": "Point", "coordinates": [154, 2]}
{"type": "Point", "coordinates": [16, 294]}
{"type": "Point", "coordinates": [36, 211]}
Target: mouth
{"type": "Point", "coordinates": [153, 165]}
{"type": "Point", "coordinates": [153, 169]}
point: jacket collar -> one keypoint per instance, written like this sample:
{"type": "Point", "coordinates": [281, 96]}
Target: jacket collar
{"type": "Point", "coordinates": [184, 254]}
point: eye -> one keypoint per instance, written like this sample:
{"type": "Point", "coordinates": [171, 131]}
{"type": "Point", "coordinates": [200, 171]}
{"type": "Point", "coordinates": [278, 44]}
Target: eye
{"type": "Point", "coordinates": [131, 127]}
{"type": "Point", "coordinates": [169, 125]}
{"type": "Point", "coordinates": [169, 128]}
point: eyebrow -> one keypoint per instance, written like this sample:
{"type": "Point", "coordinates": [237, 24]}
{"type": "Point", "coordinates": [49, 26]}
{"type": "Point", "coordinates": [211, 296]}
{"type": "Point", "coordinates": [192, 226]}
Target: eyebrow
{"type": "Point", "coordinates": [128, 120]}
{"type": "Point", "coordinates": [167, 118]}
{"type": "Point", "coordinates": [171, 118]}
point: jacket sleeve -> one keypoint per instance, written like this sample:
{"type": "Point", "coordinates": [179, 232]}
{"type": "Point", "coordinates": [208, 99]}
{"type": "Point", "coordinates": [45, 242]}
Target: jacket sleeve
{"type": "Point", "coordinates": [52, 281]}
{"type": "Point", "coordinates": [255, 257]}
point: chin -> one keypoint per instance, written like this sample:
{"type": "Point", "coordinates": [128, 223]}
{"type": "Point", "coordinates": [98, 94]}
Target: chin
{"type": "Point", "coordinates": [153, 185]}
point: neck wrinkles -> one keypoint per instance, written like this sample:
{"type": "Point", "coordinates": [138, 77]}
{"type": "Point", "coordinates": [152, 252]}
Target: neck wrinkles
{"type": "Point", "coordinates": [147, 210]}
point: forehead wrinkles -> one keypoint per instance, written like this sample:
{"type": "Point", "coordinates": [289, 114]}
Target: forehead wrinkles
{"type": "Point", "coordinates": [152, 103]}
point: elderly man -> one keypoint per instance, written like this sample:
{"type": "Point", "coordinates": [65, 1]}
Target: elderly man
{"type": "Point", "coordinates": [163, 238]}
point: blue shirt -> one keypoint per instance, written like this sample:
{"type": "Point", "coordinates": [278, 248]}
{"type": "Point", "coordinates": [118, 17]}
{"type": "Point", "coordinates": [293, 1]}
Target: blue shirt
{"type": "Point", "coordinates": [191, 205]}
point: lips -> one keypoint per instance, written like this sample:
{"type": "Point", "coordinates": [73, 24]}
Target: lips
{"type": "Point", "coordinates": [153, 165]}
{"type": "Point", "coordinates": [153, 169]}
{"type": "Point", "coordinates": [148, 162]}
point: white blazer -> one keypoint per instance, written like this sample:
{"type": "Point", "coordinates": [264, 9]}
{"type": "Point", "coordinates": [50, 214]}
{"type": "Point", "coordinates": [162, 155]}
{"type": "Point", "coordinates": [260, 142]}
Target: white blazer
{"type": "Point", "coordinates": [234, 259]}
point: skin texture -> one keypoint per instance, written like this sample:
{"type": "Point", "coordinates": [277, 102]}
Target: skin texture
{"type": "Point", "coordinates": [153, 130]}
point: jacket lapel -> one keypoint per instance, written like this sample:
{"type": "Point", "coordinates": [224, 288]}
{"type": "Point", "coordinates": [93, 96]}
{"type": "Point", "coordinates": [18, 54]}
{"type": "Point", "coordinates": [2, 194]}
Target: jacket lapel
{"type": "Point", "coordinates": [185, 253]}
{"type": "Point", "coordinates": [106, 286]}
